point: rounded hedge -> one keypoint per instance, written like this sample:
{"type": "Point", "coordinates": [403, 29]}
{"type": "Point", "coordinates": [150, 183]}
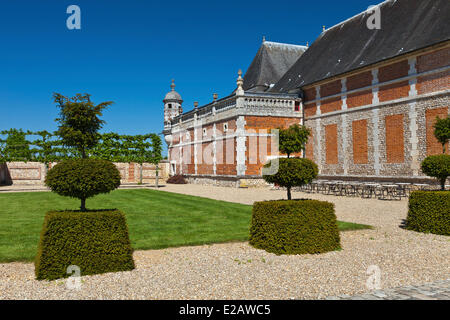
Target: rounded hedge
{"type": "Point", "coordinates": [437, 166]}
{"type": "Point", "coordinates": [429, 212]}
{"type": "Point", "coordinates": [294, 227]}
{"type": "Point", "coordinates": [292, 172]}
{"type": "Point", "coordinates": [83, 178]}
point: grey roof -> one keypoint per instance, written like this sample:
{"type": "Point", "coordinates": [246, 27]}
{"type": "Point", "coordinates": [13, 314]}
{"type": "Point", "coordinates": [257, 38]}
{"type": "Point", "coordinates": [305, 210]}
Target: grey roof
{"type": "Point", "coordinates": [173, 95]}
{"type": "Point", "coordinates": [270, 63]}
{"type": "Point", "coordinates": [406, 26]}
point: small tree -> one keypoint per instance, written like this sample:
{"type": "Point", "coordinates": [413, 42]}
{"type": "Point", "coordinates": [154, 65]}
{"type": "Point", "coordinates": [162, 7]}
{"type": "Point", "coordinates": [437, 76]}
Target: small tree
{"type": "Point", "coordinates": [442, 131]}
{"type": "Point", "coordinates": [79, 121]}
{"type": "Point", "coordinates": [437, 166]}
{"type": "Point", "coordinates": [293, 139]}
{"type": "Point", "coordinates": [83, 178]}
{"type": "Point", "coordinates": [292, 172]}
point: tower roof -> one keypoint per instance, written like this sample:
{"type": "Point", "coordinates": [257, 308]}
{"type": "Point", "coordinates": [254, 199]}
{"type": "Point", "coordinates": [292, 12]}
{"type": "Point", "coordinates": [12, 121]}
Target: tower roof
{"type": "Point", "coordinates": [173, 95]}
{"type": "Point", "coordinates": [271, 62]}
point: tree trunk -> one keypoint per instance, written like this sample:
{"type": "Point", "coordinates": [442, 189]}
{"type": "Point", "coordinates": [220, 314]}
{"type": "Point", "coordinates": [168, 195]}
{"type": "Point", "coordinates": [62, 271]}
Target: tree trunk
{"type": "Point", "coordinates": [289, 193]}
{"type": "Point", "coordinates": [157, 177]}
{"type": "Point", "coordinates": [443, 184]}
{"type": "Point", "coordinates": [140, 173]}
{"type": "Point", "coordinates": [83, 205]}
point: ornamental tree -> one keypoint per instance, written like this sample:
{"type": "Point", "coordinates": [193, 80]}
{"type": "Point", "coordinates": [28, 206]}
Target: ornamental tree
{"type": "Point", "coordinates": [79, 121]}
{"type": "Point", "coordinates": [293, 139]}
{"type": "Point", "coordinates": [83, 178]}
{"type": "Point", "coordinates": [442, 131]}
{"type": "Point", "coordinates": [292, 172]}
{"type": "Point", "coordinates": [437, 166]}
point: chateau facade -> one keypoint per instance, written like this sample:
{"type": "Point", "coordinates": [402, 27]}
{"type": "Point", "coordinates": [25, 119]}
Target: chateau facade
{"type": "Point", "coordinates": [369, 96]}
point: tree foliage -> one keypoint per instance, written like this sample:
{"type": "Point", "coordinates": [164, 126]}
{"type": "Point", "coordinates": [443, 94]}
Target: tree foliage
{"type": "Point", "coordinates": [293, 139]}
{"type": "Point", "coordinates": [437, 166]}
{"type": "Point", "coordinates": [79, 121]}
{"type": "Point", "coordinates": [292, 172]}
{"type": "Point", "coordinates": [83, 178]}
{"type": "Point", "coordinates": [442, 131]}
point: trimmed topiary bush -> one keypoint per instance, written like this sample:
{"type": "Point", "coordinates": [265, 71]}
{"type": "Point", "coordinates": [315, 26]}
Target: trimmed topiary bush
{"type": "Point", "coordinates": [294, 227]}
{"type": "Point", "coordinates": [177, 179]}
{"type": "Point", "coordinates": [437, 166]}
{"type": "Point", "coordinates": [83, 178]}
{"type": "Point", "coordinates": [429, 211]}
{"type": "Point", "coordinates": [96, 242]}
{"type": "Point", "coordinates": [292, 172]}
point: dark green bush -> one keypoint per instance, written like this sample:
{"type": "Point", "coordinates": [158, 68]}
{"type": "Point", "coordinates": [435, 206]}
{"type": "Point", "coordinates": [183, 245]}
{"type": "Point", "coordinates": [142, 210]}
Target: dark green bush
{"type": "Point", "coordinates": [294, 227]}
{"type": "Point", "coordinates": [429, 211]}
{"type": "Point", "coordinates": [292, 172]}
{"type": "Point", "coordinates": [95, 241]}
{"type": "Point", "coordinates": [83, 178]}
{"type": "Point", "coordinates": [177, 179]}
{"type": "Point", "coordinates": [437, 166]}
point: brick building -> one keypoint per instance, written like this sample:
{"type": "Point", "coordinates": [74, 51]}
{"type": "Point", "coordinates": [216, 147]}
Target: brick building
{"type": "Point", "coordinates": [370, 97]}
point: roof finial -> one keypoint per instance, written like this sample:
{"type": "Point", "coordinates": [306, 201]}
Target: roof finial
{"type": "Point", "coordinates": [307, 44]}
{"type": "Point", "coordinates": [240, 84]}
{"type": "Point", "coordinates": [323, 28]}
{"type": "Point", "coordinates": [195, 105]}
{"type": "Point", "coordinates": [173, 85]}
{"type": "Point", "coordinates": [215, 96]}
{"type": "Point", "coordinates": [264, 39]}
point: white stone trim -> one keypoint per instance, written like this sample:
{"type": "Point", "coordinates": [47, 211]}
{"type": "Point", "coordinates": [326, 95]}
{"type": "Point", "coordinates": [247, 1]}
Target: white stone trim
{"type": "Point", "coordinates": [414, 140]}
{"type": "Point", "coordinates": [376, 141]}
{"type": "Point", "coordinates": [240, 146]}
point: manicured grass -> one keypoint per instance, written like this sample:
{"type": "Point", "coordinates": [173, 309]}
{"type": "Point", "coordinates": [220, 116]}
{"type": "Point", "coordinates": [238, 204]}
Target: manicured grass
{"type": "Point", "coordinates": [156, 219]}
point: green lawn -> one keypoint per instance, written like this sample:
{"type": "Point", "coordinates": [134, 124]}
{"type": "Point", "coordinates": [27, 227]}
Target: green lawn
{"type": "Point", "coordinates": [156, 219]}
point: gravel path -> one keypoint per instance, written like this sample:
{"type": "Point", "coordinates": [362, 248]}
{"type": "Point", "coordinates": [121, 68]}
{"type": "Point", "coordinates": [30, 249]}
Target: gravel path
{"type": "Point", "coordinates": [238, 271]}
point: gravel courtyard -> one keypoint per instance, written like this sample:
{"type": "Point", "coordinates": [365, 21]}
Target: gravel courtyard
{"type": "Point", "coordinates": [238, 271]}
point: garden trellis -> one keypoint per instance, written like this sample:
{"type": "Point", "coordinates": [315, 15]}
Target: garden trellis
{"type": "Point", "coordinates": [46, 147]}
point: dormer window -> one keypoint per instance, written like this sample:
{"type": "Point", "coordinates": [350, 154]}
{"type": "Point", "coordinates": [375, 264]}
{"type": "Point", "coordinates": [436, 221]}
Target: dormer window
{"type": "Point", "coordinates": [297, 106]}
{"type": "Point", "coordinates": [170, 106]}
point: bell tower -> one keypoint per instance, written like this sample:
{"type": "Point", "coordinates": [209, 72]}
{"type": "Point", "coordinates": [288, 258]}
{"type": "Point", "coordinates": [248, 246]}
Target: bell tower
{"type": "Point", "coordinates": [172, 104]}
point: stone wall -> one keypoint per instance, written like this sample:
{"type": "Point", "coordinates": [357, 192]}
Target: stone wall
{"type": "Point", "coordinates": [382, 123]}
{"type": "Point", "coordinates": [33, 173]}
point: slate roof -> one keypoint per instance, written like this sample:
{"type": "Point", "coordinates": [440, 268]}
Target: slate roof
{"type": "Point", "coordinates": [270, 64]}
{"type": "Point", "coordinates": [406, 26]}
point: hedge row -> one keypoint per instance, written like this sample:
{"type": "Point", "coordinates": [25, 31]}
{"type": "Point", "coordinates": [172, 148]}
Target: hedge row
{"type": "Point", "coordinates": [429, 211]}
{"type": "Point", "coordinates": [95, 241]}
{"type": "Point", "coordinates": [294, 227]}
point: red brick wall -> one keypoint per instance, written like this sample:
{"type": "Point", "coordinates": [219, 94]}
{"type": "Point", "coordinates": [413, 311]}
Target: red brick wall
{"type": "Point", "coordinates": [360, 150]}
{"type": "Point", "coordinates": [433, 82]}
{"type": "Point", "coordinates": [131, 172]}
{"type": "Point", "coordinates": [358, 99]}
{"type": "Point", "coordinates": [331, 144]}
{"type": "Point", "coordinates": [310, 109]}
{"type": "Point", "coordinates": [433, 145]}
{"type": "Point", "coordinates": [258, 123]}
{"type": "Point", "coordinates": [394, 91]}
{"type": "Point", "coordinates": [310, 94]}
{"type": "Point", "coordinates": [433, 60]}
{"type": "Point", "coordinates": [331, 105]}
{"type": "Point", "coordinates": [206, 153]}
{"type": "Point", "coordinates": [361, 80]}
{"type": "Point", "coordinates": [393, 71]}
{"type": "Point", "coordinates": [226, 157]}
{"type": "Point", "coordinates": [395, 152]}
{"type": "Point", "coordinates": [331, 88]}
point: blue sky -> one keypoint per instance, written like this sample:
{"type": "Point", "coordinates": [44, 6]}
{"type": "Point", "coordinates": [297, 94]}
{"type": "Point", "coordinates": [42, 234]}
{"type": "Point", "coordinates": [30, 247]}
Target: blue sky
{"type": "Point", "coordinates": [128, 51]}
